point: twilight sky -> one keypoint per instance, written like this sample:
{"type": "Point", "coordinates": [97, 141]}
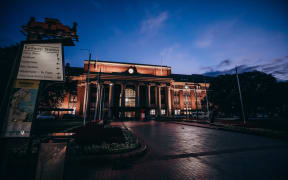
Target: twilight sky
{"type": "Point", "coordinates": [195, 36]}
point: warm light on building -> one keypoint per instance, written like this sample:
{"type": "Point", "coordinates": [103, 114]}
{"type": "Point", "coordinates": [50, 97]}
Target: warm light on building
{"type": "Point", "coordinates": [134, 90]}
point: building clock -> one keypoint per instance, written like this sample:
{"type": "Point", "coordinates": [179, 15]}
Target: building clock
{"type": "Point", "coordinates": [131, 70]}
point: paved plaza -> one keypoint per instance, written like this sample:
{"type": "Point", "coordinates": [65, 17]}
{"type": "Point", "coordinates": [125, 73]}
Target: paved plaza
{"type": "Point", "coordinates": [187, 152]}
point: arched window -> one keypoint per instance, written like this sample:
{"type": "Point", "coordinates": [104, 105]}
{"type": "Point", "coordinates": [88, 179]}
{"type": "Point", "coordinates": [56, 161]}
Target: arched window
{"type": "Point", "coordinates": [130, 96]}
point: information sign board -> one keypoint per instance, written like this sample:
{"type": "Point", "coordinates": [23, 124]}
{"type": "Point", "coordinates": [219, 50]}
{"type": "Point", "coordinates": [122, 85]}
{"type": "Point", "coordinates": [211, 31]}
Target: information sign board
{"type": "Point", "coordinates": [41, 61]}
{"type": "Point", "coordinates": [21, 109]}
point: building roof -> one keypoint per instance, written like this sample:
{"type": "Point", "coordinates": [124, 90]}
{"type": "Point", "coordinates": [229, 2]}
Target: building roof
{"type": "Point", "coordinates": [196, 78]}
{"type": "Point", "coordinates": [117, 62]}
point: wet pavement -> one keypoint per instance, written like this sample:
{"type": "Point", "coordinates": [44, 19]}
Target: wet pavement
{"type": "Point", "coordinates": [186, 152]}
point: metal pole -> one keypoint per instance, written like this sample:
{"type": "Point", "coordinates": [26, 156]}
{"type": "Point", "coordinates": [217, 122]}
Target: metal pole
{"type": "Point", "coordinates": [207, 99]}
{"type": "Point", "coordinates": [240, 94]}
{"type": "Point", "coordinates": [97, 93]}
{"type": "Point", "coordinates": [186, 105]}
{"type": "Point", "coordinates": [196, 101]}
{"type": "Point", "coordinates": [87, 90]}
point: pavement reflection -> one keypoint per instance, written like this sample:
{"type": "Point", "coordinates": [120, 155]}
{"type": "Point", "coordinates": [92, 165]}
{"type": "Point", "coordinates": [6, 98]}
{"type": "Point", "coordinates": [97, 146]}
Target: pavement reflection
{"type": "Point", "coordinates": [186, 152]}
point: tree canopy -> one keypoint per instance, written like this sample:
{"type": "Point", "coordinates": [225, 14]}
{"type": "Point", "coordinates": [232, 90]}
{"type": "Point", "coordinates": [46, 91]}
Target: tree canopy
{"type": "Point", "coordinates": [261, 93]}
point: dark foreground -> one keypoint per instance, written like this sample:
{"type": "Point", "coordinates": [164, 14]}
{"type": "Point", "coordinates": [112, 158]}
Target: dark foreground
{"type": "Point", "coordinates": [185, 152]}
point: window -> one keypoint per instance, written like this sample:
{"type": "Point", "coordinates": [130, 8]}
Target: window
{"type": "Point", "coordinates": [130, 95]}
{"type": "Point", "coordinates": [152, 112]}
{"type": "Point", "coordinates": [187, 110]}
{"type": "Point", "coordinates": [163, 111]}
{"type": "Point", "coordinates": [187, 97]}
{"type": "Point", "coordinates": [73, 99]}
{"type": "Point", "coordinates": [176, 97]}
{"type": "Point", "coordinates": [177, 111]}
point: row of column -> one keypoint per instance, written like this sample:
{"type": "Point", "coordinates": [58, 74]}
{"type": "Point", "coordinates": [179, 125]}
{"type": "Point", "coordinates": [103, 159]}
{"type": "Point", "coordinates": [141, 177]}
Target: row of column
{"type": "Point", "coordinates": [137, 97]}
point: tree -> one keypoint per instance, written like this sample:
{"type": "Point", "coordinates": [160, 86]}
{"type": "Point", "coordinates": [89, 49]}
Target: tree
{"type": "Point", "coordinates": [259, 92]}
{"type": "Point", "coordinates": [53, 93]}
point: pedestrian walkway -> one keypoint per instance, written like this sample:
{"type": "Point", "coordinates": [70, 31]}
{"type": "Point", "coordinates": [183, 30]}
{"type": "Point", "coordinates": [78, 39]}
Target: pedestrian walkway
{"type": "Point", "coordinates": [178, 151]}
{"type": "Point", "coordinates": [228, 127]}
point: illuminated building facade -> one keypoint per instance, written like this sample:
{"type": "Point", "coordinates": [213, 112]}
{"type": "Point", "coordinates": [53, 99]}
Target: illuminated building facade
{"type": "Point", "coordinates": [126, 90]}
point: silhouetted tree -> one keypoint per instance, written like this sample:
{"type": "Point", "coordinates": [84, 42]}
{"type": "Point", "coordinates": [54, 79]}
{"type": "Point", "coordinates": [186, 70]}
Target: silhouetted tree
{"type": "Point", "coordinates": [262, 94]}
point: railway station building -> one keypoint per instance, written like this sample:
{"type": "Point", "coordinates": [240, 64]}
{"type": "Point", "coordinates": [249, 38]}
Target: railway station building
{"type": "Point", "coordinates": [130, 90]}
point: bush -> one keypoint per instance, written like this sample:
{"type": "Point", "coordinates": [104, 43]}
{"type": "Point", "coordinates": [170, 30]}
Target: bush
{"type": "Point", "coordinates": [95, 134]}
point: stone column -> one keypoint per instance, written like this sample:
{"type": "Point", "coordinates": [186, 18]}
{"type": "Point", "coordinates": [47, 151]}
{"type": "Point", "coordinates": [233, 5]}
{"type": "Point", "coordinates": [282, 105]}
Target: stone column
{"type": "Point", "coordinates": [123, 86]}
{"type": "Point", "coordinates": [159, 100]}
{"type": "Point", "coordinates": [148, 102]}
{"type": "Point", "coordinates": [80, 99]}
{"type": "Point", "coordinates": [172, 101]}
{"type": "Point", "coordinates": [110, 104]}
{"type": "Point", "coordinates": [137, 95]}
{"type": "Point", "coordinates": [168, 101]}
{"type": "Point", "coordinates": [181, 98]}
{"type": "Point", "coordinates": [137, 103]}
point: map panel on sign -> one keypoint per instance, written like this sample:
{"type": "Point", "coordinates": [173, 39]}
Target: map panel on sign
{"type": "Point", "coordinates": [41, 62]}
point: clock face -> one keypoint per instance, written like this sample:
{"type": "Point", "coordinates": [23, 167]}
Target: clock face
{"type": "Point", "coordinates": [131, 70]}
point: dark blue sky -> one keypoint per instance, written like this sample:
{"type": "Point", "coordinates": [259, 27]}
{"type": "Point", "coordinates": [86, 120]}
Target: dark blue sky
{"type": "Point", "coordinates": [190, 36]}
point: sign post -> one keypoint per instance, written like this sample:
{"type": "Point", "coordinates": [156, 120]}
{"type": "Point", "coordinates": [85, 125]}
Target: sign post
{"type": "Point", "coordinates": [38, 62]}
{"type": "Point", "coordinates": [41, 60]}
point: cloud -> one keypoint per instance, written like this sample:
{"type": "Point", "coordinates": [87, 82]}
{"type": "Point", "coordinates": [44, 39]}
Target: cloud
{"type": "Point", "coordinates": [277, 67]}
{"type": "Point", "coordinates": [167, 52]}
{"type": "Point", "coordinates": [214, 32]}
{"type": "Point", "coordinates": [180, 58]}
{"type": "Point", "coordinates": [224, 63]}
{"type": "Point", "coordinates": [151, 25]}
{"type": "Point", "coordinates": [206, 41]}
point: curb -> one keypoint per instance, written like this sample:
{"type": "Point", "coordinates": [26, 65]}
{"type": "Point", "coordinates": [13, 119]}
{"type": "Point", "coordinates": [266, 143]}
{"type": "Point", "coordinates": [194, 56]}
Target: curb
{"type": "Point", "coordinates": [137, 152]}
{"type": "Point", "coordinates": [244, 131]}
{"type": "Point", "coordinates": [118, 156]}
